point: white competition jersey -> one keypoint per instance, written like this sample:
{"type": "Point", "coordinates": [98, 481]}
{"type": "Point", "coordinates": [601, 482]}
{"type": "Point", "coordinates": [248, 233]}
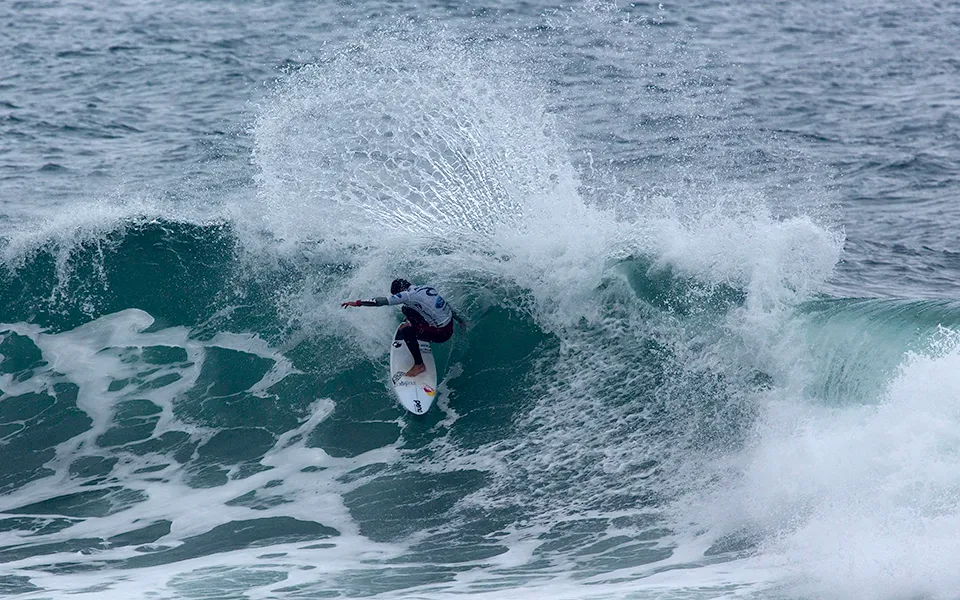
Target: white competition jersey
{"type": "Point", "coordinates": [426, 301]}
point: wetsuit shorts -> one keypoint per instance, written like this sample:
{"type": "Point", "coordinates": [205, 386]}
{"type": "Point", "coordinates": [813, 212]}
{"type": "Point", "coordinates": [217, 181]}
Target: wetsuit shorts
{"type": "Point", "coordinates": [425, 332]}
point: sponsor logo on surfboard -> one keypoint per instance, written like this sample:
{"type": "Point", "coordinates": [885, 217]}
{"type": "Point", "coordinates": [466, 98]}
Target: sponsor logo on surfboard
{"type": "Point", "coordinates": [429, 390]}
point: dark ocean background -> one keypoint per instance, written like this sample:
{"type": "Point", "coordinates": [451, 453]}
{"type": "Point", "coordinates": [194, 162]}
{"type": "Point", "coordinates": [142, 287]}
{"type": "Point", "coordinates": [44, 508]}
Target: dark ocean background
{"type": "Point", "coordinates": [707, 250]}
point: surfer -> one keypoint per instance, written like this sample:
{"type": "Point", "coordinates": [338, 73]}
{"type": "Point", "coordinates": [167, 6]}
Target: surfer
{"type": "Point", "coordinates": [428, 317]}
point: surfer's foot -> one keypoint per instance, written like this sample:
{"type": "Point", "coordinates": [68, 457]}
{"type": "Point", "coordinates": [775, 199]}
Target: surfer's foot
{"type": "Point", "coordinates": [416, 370]}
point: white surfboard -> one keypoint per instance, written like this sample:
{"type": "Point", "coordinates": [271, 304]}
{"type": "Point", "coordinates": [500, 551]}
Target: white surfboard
{"type": "Point", "coordinates": [416, 394]}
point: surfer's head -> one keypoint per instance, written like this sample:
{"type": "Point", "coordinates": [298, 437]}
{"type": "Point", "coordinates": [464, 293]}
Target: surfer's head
{"type": "Point", "coordinates": [399, 285]}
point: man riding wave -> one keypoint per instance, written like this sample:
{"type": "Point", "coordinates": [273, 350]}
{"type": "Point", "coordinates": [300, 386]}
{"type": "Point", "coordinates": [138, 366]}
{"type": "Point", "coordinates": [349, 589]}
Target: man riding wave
{"type": "Point", "coordinates": [428, 317]}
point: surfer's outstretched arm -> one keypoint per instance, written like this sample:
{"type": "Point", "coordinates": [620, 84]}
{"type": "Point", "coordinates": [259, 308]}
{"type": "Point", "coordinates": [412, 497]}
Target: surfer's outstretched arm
{"type": "Point", "coordinates": [374, 302]}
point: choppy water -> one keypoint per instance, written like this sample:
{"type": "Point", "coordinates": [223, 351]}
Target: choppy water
{"type": "Point", "coordinates": [707, 252]}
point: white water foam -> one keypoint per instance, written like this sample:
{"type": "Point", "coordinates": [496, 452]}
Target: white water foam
{"type": "Point", "coordinates": [858, 501]}
{"type": "Point", "coordinates": [107, 350]}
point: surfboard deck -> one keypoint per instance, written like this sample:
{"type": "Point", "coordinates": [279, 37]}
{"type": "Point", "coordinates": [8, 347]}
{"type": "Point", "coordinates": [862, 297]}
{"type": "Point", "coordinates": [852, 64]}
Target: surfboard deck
{"type": "Point", "coordinates": [416, 394]}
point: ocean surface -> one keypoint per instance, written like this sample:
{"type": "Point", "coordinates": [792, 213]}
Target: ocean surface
{"type": "Point", "coordinates": [708, 253]}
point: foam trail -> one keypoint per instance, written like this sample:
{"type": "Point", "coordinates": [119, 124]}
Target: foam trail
{"type": "Point", "coordinates": [119, 361]}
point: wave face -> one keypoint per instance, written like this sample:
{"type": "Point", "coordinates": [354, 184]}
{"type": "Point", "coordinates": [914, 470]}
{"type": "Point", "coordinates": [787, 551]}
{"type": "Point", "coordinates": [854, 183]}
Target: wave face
{"type": "Point", "coordinates": [666, 389]}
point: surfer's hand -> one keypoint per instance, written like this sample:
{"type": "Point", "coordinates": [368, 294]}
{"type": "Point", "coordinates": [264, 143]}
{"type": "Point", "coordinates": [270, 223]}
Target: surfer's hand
{"type": "Point", "coordinates": [354, 303]}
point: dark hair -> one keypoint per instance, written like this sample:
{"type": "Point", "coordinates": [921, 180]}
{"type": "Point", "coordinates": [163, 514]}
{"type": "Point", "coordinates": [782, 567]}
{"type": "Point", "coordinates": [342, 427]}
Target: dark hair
{"type": "Point", "coordinates": [398, 285]}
